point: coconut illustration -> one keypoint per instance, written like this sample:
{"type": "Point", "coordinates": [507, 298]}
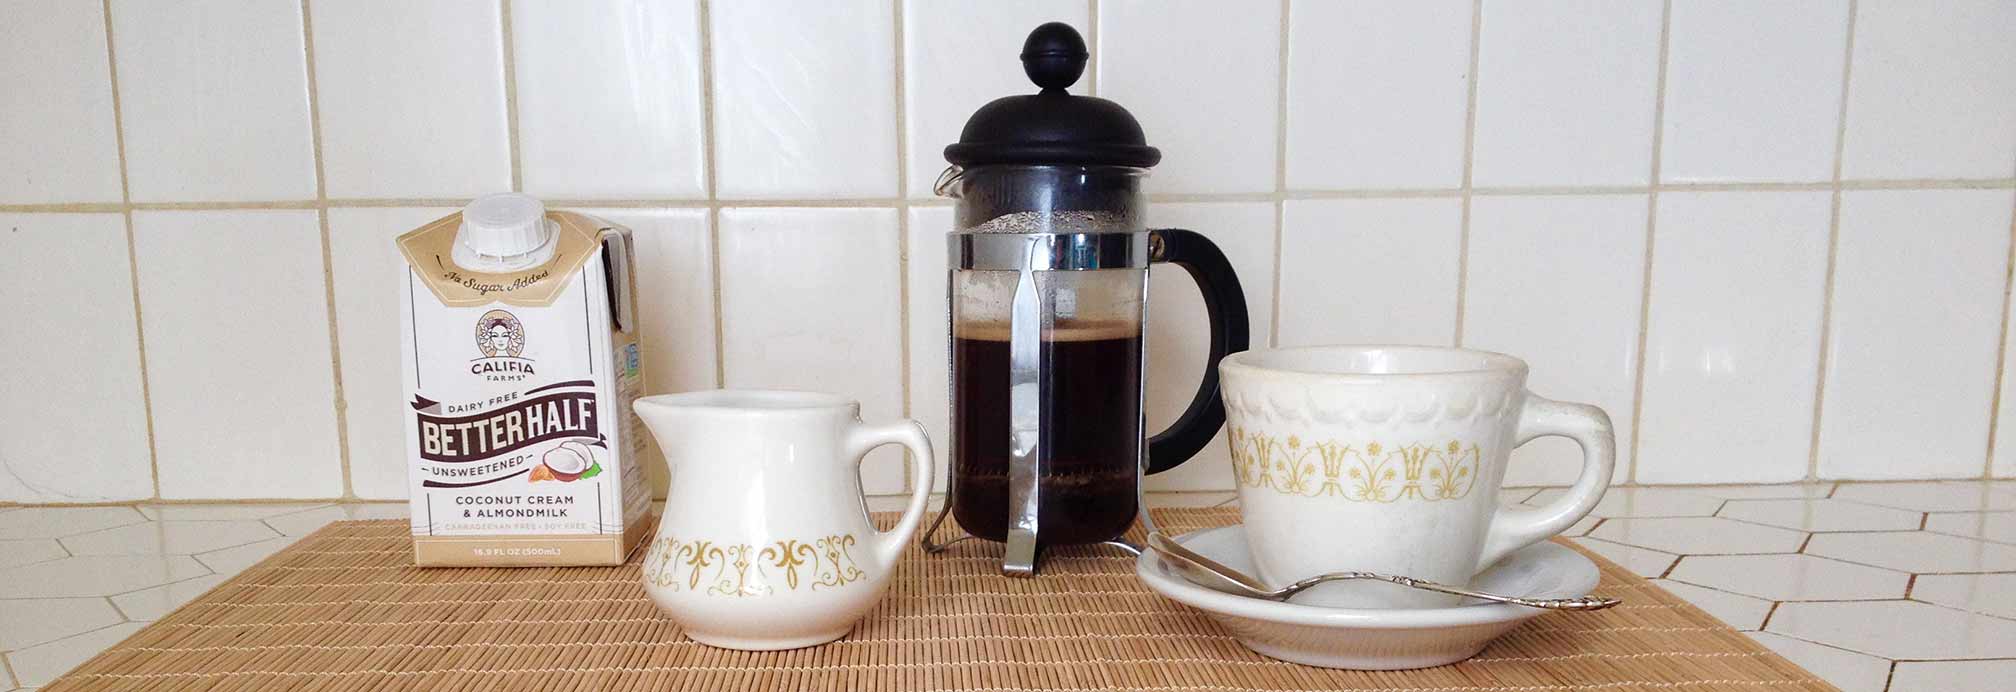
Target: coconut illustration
{"type": "Point", "coordinates": [569, 461]}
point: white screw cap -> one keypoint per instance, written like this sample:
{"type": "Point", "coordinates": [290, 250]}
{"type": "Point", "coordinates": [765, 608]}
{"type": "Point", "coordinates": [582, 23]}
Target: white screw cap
{"type": "Point", "coordinates": [504, 232]}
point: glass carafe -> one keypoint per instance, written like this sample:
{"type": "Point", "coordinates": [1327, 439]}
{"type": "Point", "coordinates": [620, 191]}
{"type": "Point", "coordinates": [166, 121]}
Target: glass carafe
{"type": "Point", "coordinates": [1049, 268]}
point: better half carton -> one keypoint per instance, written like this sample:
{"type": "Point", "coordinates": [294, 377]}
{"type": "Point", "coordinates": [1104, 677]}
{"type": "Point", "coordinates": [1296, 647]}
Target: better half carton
{"type": "Point", "coordinates": [520, 364]}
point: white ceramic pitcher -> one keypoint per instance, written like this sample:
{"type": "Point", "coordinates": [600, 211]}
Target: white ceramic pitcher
{"type": "Point", "coordinates": [765, 541]}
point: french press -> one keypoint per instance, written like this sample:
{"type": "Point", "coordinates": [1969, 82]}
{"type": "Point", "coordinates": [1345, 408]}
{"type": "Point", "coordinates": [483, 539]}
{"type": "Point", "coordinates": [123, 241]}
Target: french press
{"type": "Point", "coordinates": [1047, 287]}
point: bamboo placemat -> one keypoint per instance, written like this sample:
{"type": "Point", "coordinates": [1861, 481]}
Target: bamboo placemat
{"type": "Point", "coordinates": [344, 609]}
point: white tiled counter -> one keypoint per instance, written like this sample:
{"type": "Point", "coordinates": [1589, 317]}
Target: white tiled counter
{"type": "Point", "coordinates": [1874, 586]}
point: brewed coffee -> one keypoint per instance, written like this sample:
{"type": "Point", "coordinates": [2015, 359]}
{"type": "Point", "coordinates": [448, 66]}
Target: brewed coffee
{"type": "Point", "coordinates": [1090, 422]}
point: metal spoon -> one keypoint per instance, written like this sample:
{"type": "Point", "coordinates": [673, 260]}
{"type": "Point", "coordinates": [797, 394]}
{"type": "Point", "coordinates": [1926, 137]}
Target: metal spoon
{"type": "Point", "coordinates": [1213, 575]}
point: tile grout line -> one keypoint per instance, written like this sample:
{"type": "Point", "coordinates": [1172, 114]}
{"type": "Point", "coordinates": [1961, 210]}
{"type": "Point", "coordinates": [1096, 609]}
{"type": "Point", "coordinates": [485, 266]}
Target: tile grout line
{"type": "Point", "coordinates": [1833, 250]}
{"type": "Point", "coordinates": [884, 202]}
{"type": "Point", "coordinates": [1280, 177]}
{"type": "Point", "coordinates": [341, 400]}
{"type": "Point", "coordinates": [132, 248]}
{"type": "Point", "coordinates": [707, 155]}
{"type": "Point", "coordinates": [1091, 37]}
{"type": "Point", "coordinates": [2001, 352]}
{"type": "Point", "coordinates": [507, 46]}
{"type": "Point", "coordinates": [1651, 236]}
{"type": "Point", "coordinates": [1468, 188]}
{"type": "Point", "coordinates": [902, 233]}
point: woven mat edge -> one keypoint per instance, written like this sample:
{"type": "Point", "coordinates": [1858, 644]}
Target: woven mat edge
{"type": "Point", "coordinates": [1769, 657]}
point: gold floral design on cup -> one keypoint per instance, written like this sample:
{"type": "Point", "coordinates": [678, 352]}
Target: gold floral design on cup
{"type": "Point", "coordinates": [1371, 472]}
{"type": "Point", "coordinates": [739, 569]}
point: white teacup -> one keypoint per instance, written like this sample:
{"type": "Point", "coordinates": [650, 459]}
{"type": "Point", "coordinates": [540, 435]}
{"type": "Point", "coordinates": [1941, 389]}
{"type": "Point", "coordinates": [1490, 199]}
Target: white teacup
{"type": "Point", "coordinates": [1388, 459]}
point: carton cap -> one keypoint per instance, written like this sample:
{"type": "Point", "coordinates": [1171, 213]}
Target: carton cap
{"type": "Point", "coordinates": [502, 232]}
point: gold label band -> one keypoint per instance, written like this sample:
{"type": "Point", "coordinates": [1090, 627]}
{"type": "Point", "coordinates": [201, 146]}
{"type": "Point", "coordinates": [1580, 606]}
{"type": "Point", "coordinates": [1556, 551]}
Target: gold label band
{"type": "Point", "coordinates": [1373, 472]}
{"type": "Point", "coordinates": [741, 569]}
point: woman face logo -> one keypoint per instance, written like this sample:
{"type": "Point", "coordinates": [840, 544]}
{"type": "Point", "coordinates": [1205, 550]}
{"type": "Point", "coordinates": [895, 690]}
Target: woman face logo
{"type": "Point", "coordinates": [499, 335]}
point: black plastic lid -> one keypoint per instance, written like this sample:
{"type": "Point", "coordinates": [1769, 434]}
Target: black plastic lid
{"type": "Point", "coordinates": [1053, 127]}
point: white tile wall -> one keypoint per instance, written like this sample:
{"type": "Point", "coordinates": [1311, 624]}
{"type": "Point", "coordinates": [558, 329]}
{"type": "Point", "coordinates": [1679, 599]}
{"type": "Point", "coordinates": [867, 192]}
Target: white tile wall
{"type": "Point", "coordinates": [1732, 345]}
{"type": "Point", "coordinates": [238, 361]}
{"type": "Point", "coordinates": [1920, 279]}
{"type": "Point", "coordinates": [1557, 281]}
{"type": "Point", "coordinates": [675, 299]}
{"type": "Point", "coordinates": [366, 275]}
{"type": "Point", "coordinates": [954, 62]}
{"type": "Point", "coordinates": [1177, 341]}
{"type": "Point", "coordinates": [1326, 148]}
{"type": "Point", "coordinates": [1369, 271]}
{"type": "Point", "coordinates": [1377, 94]}
{"type": "Point", "coordinates": [411, 97]}
{"type": "Point", "coordinates": [73, 381]}
{"type": "Point", "coordinates": [1213, 112]}
{"type": "Point", "coordinates": [609, 99]}
{"type": "Point", "coordinates": [57, 140]}
{"type": "Point", "coordinates": [793, 115]}
{"type": "Point", "coordinates": [924, 271]}
{"type": "Point", "coordinates": [1929, 94]}
{"type": "Point", "coordinates": [810, 300]}
{"type": "Point", "coordinates": [214, 96]}
{"type": "Point", "coordinates": [1565, 92]}
{"type": "Point", "coordinates": [1753, 90]}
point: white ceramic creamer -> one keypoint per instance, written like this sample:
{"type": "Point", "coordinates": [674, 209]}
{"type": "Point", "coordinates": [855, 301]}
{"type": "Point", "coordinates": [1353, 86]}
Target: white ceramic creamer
{"type": "Point", "coordinates": [520, 364]}
{"type": "Point", "coordinates": [765, 542]}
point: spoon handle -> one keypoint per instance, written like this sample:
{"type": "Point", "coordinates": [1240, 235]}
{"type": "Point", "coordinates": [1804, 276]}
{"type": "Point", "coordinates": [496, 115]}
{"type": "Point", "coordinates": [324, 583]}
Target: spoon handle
{"type": "Point", "coordinates": [1576, 603]}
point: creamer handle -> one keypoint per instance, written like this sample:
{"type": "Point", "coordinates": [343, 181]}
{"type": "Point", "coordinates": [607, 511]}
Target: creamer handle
{"type": "Point", "coordinates": [889, 544]}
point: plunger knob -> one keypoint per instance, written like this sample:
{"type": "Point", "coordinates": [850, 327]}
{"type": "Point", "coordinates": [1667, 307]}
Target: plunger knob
{"type": "Point", "coordinates": [1054, 56]}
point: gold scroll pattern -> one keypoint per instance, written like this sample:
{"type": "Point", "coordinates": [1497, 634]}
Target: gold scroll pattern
{"type": "Point", "coordinates": [742, 569]}
{"type": "Point", "coordinates": [1372, 472]}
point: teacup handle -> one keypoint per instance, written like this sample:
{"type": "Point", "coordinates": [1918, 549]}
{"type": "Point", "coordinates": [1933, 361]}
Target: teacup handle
{"type": "Point", "coordinates": [1589, 427]}
{"type": "Point", "coordinates": [865, 438]}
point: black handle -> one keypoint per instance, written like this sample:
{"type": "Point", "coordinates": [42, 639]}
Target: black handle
{"type": "Point", "coordinates": [1226, 303]}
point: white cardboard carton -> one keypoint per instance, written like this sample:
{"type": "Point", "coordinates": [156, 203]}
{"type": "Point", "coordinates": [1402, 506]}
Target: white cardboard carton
{"type": "Point", "coordinates": [521, 445]}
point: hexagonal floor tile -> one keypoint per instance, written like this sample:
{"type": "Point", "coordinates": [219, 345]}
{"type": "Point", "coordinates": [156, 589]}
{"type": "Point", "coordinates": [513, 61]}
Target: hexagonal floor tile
{"type": "Point", "coordinates": [1790, 577]}
{"type": "Point", "coordinates": [1699, 535]}
{"type": "Point", "coordinates": [1915, 551]}
{"type": "Point", "coordinates": [1783, 491]}
{"type": "Point", "coordinates": [1988, 594]}
{"type": "Point", "coordinates": [1641, 502]}
{"type": "Point", "coordinates": [1642, 562]}
{"type": "Point", "coordinates": [896, 503]}
{"type": "Point", "coordinates": [169, 538]}
{"type": "Point", "coordinates": [36, 666]}
{"type": "Point", "coordinates": [236, 559]}
{"type": "Point", "coordinates": [1929, 496]}
{"type": "Point", "coordinates": [1953, 676]}
{"type": "Point", "coordinates": [96, 575]}
{"type": "Point", "coordinates": [1874, 627]}
{"type": "Point", "coordinates": [1994, 526]}
{"type": "Point", "coordinates": [304, 523]}
{"type": "Point", "coordinates": [30, 621]}
{"type": "Point", "coordinates": [147, 605]}
{"type": "Point", "coordinates": [1582, 527]}
{"type": "Point", "coordinates": [54, 522]}
{"type": "Point", "coordinates": [224, 512]}
{"type": "Point", "coordinates": [1850, 671]}
{"type": "Point", "coordinates": [1739, 611]}
{"type": "Point", "coordinates": [1821, 515]}
{"type": "Point", "coordinates": [22, 552]}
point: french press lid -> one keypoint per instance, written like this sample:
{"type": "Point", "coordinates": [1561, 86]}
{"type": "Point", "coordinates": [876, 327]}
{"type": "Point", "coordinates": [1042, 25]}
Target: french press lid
{"type": "Point", "coordinates": [1053, 126]}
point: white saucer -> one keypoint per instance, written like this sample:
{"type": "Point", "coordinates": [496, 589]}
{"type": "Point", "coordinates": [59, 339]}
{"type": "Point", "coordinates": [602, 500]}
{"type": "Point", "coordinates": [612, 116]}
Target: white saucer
{"type": "Point", "coordinates": [1364, 638]}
